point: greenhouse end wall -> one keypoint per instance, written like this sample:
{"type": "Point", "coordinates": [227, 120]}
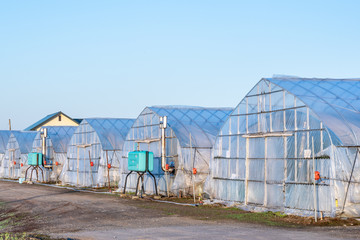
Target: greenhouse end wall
{"type": "Point", "coordinates": [189, 140]}
{"type": "Point", "coordinates": [96, 143]}
{"type": "Point", "coordinates": [267, 153]}
{"type": "Point", "coordinates": [57, 140]}
{"type": "Point", "coordinates": [14, 163]}
{"type": "Point", "coordinates": [4, 139]}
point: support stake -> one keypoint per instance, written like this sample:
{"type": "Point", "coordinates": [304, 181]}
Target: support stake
{"type": "Point", "coordinates": [315, 202]}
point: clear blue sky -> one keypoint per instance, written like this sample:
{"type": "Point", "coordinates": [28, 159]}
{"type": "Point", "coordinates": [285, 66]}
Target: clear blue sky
{"type": "Point", "coordinates": [113, 58]}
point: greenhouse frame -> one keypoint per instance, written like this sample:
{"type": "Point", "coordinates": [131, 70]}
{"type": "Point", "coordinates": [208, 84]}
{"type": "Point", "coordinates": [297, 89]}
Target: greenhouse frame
{"type": "Point", "coordinates": [16, 154]}
{"type": "Point", "coordinates": [4, 139]}
{"type": "Point", "coordinates": [188, 142]}
{"type": "Point", "coordinates": [96, 144]}
{"type": "Point", "coordinates": [57, 140]}
{"type": "Point", "coordinates": [292, 144]}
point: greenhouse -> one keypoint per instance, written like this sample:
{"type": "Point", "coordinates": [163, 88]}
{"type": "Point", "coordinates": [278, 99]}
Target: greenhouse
{"type": "Point", "coordinates": [56, 144]}
{"type": "Point", "coordinates": [183, 143]}
{"type": "Point", "coordinates": [292, 145]}
{"type": "Point", "coordinates": [94, 152]}
{"type": "Point", "coordinates": [18, 147]}
{"type": "Point", "coordinates": [4, 139]}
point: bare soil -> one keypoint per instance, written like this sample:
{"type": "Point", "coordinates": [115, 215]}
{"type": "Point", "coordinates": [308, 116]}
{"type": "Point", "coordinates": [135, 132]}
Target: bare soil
{"type": "Point", "coordinates": [50, 212]}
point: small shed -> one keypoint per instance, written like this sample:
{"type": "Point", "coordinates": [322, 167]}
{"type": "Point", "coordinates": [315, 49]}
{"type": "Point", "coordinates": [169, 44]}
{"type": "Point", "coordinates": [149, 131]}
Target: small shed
{"type": "Point", "coordinates": [54, 119]}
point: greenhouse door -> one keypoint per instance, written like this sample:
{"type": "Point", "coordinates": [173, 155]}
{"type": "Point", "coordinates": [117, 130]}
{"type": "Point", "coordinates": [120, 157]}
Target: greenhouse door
{"type": "Point", "coordinates": [82, 155]}
{"type": "Point", "coordinates": [275, 171]}
{"type": "Point", "coordinates": [265, 170]}
{"type": "Point", "coordinates": [11, 164]}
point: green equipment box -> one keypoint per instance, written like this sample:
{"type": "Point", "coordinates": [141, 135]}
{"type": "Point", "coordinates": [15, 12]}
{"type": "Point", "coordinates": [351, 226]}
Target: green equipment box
{"type": "Point", "coordinates": [35, 159]}
{"type": "Point", "coordinates": [141, 161]}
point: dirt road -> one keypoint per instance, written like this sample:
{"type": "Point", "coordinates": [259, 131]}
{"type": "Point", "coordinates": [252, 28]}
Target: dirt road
{"type": "Point", "coordinates": [66, 213]}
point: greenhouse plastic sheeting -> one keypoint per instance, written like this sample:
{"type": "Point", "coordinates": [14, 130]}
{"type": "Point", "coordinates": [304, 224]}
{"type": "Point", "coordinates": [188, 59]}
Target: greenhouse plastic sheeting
{"type": "Point", "coordinates": [18, 147]}
{"type": "Point", "coordinates": [198, 123]}
{"type": "Point", "coordinates": [57, 142]}
{"type": "Point", "coordinates": [4, 139]}
{"type": "Point", "coordinates": [100, 141]}
{"type": "Point", "coordinates": [263, 155]}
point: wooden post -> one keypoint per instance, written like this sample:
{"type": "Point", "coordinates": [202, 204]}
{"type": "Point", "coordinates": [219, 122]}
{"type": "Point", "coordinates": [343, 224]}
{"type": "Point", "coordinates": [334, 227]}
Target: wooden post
{"type": "Point", "coordinates": [315, 202]}
{"type": "Point", "coordinates": [108, 170]}
{"type": "Point", "coordinates": [193, 175]}
{"type": "Point", "coordinates": [91, 176]}
{"type": "Point", "coordinates": [265, 173]}
{"type": "Point", "coordinates": [308, 142]}
{"type": "Point", "coordinates": [84, 177]}
{"type": "Point", "coordinates": [247, 171]}
{"type": "Point", "coordinates": [270, 108]}
{"type": "Point", "coordinates": [285, 169]}
{"type": "Point", "coordinates": [295, 143]}
{"type": "Point", "coordinates": [78, 165]}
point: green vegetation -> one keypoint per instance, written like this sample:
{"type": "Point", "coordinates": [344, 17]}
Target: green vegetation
{"type": "Point", "coordinates": [220, 213]}
{"type": "Point", "coordinates": [267, 218]}
{"type": "Point", "coordinates": [23, 236]}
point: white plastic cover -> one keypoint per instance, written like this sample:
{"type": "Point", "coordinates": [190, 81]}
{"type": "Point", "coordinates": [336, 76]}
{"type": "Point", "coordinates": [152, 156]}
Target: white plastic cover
{"type": "Point", "coordinates": [201, 124]}
{"type": "Point", "coordinates": [18, 147]}
{"type": "Point", "coordinates": [57, 142]}
{"type": "Point", "coordinates": [261, 154]}
{"type": "Point", "coordinates": [4, 139]}
{"type": "Point", "coordinates": [335, 102]}
{"type": "Point", "coordinates": [96, 140]}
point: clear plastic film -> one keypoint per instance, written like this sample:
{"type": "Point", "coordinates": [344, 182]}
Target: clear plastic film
{"type": "Point", "coordinates": [4, 139]}
{"type": "Point", "coordinates": [94, 151]}
{"type": "Point", "coordinates": [196, 125]}
{"type": "Point", "coordinates": [57, 140]}
{"type": "Point", "coordinates": [263, 155]}
{"type": "Point", "coordinates": [18, 147]}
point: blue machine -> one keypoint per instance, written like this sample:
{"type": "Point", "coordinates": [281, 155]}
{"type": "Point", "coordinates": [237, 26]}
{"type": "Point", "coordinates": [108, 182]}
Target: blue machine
{"type": "Point", "coordinates": [141, 161]}
{"type": "Point", "coordinates": [35, 159]}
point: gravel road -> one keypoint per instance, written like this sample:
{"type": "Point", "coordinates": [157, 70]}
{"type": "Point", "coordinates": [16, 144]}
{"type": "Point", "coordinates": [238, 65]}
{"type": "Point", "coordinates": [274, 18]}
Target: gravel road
{"type": "Point", "coordinates": [61, 212]}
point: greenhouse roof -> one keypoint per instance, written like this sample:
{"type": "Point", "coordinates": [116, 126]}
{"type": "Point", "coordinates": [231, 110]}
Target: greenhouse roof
{"type": "Point", "coordinates": [335, 101]}
{"type": "Point", "coordinates": [202, 123]}
{"type": "Point", "coordinates": [60, 137]}
{"type": "Point", "coordinates": [111, 131]}
{"type": "Point", "coordinates": [4, 138]}
{"type": "Point", "coordinates": [25, 140]}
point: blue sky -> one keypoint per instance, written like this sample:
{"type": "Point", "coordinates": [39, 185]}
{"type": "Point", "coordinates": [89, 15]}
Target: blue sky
{"type": "Point", "coordinates": [113, 58]}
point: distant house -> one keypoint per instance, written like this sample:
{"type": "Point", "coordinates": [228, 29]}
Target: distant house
{"type": "Point", "coordinates": [55, 119]}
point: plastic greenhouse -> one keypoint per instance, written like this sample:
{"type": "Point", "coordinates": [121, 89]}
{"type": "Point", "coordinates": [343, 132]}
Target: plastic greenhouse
{"type": "Point", "coordinates": [18, 147]}
{"type": "Point", "coordinates": [4, 139]}
{"type": "Point", "coordinates": [57, 141]}
{"type": "Point", "coordinates": [189, 138]}
{"type": "Point", "coordinates": [292, 144]}
{"type": "Point", "coordinates": [95, 146]}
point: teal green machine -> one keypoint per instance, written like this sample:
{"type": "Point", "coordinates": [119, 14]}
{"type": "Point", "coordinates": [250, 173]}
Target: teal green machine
{"type": "Point", "coordinates": [35, 160]}
{"type": "Point", "coordinates": [140, 162]}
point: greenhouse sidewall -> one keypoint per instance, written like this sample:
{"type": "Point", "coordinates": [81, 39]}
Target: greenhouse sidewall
{"type": "Point", "coordinates": [111, 174]}
{"type": "Point", "coordinates": [246, 154]}
{"type": "Point", "coordinates": [182, 158]}
{"type": "Point", "coordinates": [11, 166]}
{"type": "Point", "coordinates": [344, 187]}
